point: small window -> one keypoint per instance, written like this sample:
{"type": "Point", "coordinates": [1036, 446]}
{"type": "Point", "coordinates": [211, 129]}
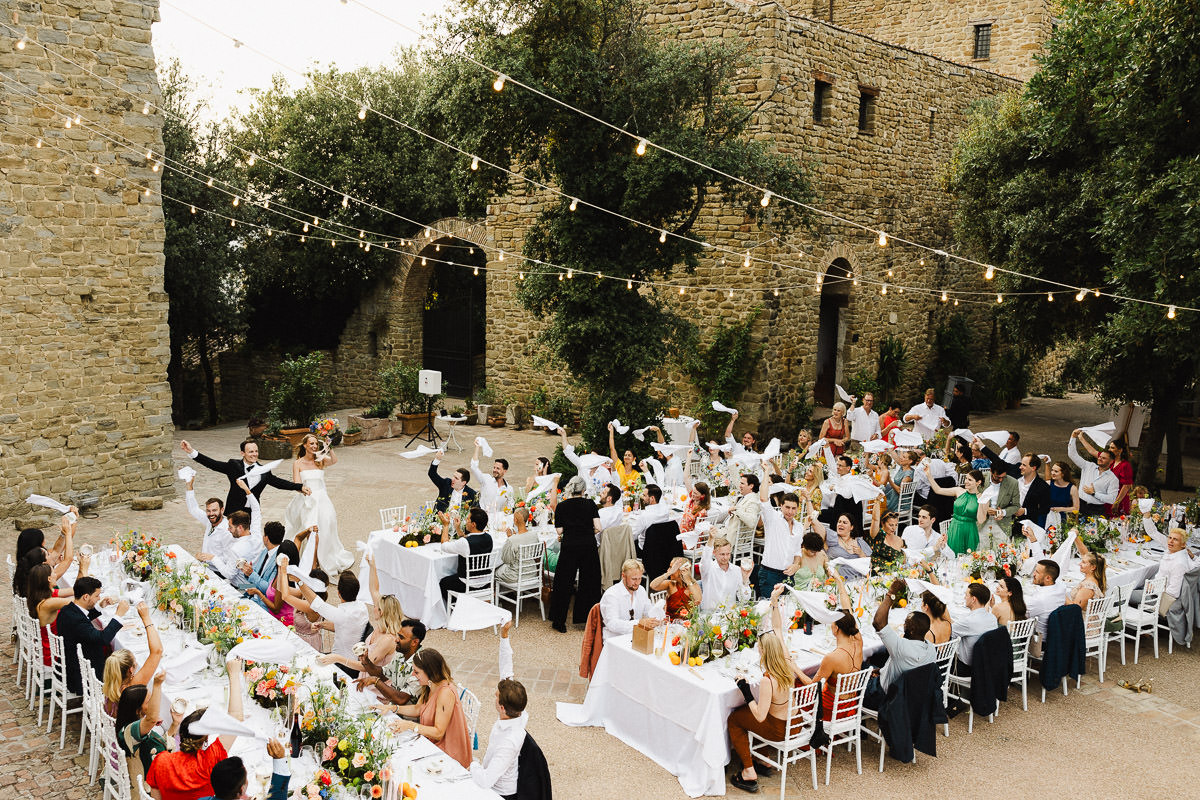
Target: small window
{"type": "Point", "coordinates": [983, 42]}
{"type": "Point", "coordinates": [822, 101]}
{"type": "Point", "coordinates": [932, 120]}
{"type": "Point", "coordinates": [867, 100]}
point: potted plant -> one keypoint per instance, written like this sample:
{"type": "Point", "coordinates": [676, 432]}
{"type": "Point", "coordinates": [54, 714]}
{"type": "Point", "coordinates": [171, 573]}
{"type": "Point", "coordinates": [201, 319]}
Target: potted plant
{"type": "Point", "coordinates": [299, 397]}
{"type": "Point", "coordinates": [256, 427]}
{"type": "Point", "coordinates": [484, 398]}
{"type": "Point", "coordinates": [352, 436]}
{"type": "Point", "coordinates": [400, 383]}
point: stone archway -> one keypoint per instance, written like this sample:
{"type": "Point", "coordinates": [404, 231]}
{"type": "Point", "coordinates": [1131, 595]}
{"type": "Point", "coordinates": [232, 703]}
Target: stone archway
{"type": "Point", "coordinates": [831, 335]}
{"type": "Point", "coordinates": [389, 324]}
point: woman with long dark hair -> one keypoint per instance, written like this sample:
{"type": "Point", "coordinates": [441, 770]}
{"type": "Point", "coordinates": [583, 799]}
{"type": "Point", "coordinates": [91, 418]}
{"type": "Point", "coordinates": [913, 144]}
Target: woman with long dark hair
{"type": "Point", "coordinates": [1008, 601]}
{"type": "Point", "coordinates": [438, 711]}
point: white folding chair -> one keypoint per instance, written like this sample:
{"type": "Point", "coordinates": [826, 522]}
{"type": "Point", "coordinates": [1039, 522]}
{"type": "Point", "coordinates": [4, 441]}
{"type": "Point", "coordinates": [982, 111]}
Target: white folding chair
{"type": "Point", "coordinates": [87, 722]}
{"type": "Point", "coordinates": [743, 544]}
{"type": "Point", "coordinates": [470, 707]}
{"type": "Point", "coordinates": [1021, 633]}
{"type": "Point", "coordinates": [904, 506]}
{"type": "Point", "coordinates": [12, 571]}
{"type": "Point", "coordinates": [392, 517]}
{"type": "Point", "coordinates": [37, 674]}
{"type": "Point", "coordinates": [798, 731]}
{"type": "Point", "coordinates": [99, 718]}
{"type": "Point", "coordinates": [692, 554]}
{"type": "Point", "coordinates": [528, 584]}
{"type": "Point", "coordinates": [1143, 620]}
{"type": "Point", "coordinates": [944, 657]}
{"type": "Point", "coordinates": [116, 771]}
{"type": "Point", "coordinates": [1095, 639]}
{"type": "Point", "coordinates": [60, 696]}
{"type": "Point", "coordinates": [143, 789]}
{"type": "Point", "coordinates": [1114, 625]}
{"type": "Point", "coordinates": [655, 597]}
{"type": "Point", "coordinates": [845, 725]}
{"type": "Point", "coordinates": [480, 581]}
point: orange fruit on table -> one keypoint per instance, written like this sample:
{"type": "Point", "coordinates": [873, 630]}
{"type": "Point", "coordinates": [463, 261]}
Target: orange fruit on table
{"type": "Point", "coordinates": [675, 658]}
{"type": "Point", "coordinates": [903, 602]}
{"type": "Point", "coordinates": [409, 791]}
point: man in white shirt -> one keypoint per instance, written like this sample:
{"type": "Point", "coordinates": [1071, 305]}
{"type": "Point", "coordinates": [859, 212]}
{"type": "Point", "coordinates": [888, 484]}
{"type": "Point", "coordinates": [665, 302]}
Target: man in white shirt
{"type": "Point", "coordinates": [494, 491]}
{"type": "Point", "coordinates": [652, 512]}
{"type": "Point", "coordinates": [1097, 483]}
{"type": "Point", "coordinates": [719, 579]}
{"type": "Point", "coordinates": [864, 421]}
{"type": "Point", "coordinates": [978, 621]}
{"type": "Point", "coordinates": [929, 414]}
{"type": "Point", "coordinates": [217, 538]}
{"type": "Point", "coordinates": [498, 771]}
{"type": "Point", "coordinates": [626, 604]}
{"type": "Point", "coordinates": [1042, 597]}
{"type": "Point", "coordinates": [592, 467]}
{"type": "Point", "coordinates": [347, 620]}
{"type": "Point", "coordinates": [748, 444]}
{"type": "Point", "coordinates": [611, 512]}
{"type": "Point", "coordinates": [924, 537]}
{"type": "Point", "coordinates": [781, 540]}
{"type": "Point", "coordinates": [1176, 562]}
{"type": "Point", "coordinates": [1010, 452]}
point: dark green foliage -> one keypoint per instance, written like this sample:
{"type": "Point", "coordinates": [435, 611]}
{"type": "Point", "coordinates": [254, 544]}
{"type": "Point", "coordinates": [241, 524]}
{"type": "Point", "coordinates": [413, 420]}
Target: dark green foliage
{"type": "Point", "coordinates": [301, 395]}
{"type": "Point", "coordinates": [721, 370]}
{"type": "Point", "coordinates": [893, 360]}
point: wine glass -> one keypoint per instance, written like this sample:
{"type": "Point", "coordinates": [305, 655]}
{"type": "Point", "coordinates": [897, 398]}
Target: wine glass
{"type": "Point", "coordinates": [718, 648]}
{"type": "Point", "coordinates": [702, 652]}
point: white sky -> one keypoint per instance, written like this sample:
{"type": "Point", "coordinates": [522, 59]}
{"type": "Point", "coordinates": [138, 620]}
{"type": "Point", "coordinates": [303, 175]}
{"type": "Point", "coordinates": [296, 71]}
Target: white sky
{"type": "Point", "coordinates": [299, 33]}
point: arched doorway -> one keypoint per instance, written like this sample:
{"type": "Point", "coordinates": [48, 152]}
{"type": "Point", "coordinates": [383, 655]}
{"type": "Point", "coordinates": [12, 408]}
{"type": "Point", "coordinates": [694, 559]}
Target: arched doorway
{"type": "Point", "coordinates": [454, 317]}
{"type": "Point", "coordinates": [835, 297]}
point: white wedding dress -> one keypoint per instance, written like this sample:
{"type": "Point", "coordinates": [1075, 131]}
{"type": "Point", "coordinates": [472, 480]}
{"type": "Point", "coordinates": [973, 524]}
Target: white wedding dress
{"type": "Point", "coordinates": [317, 509]}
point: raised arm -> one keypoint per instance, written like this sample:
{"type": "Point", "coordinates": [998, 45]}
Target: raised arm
{"type": "Point", "coordinates": [729, 428]}
{"type": "Point", "coordinates": [68, 551]}
{"type": "Point", "coordinates": [150, 665]}
{"type": "Point", "coordinates": [612, 445]}
{"type": "Point", "coordinates": [203, 460]}
{"type": "Point", "coordinates": [658, 433]}
{"type": "Point", "coordinates": [952, 491]}
{"type": "Point", "coordinates": [1073, 450]}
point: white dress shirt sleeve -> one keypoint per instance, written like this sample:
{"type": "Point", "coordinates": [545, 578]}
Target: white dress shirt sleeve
{"type": "Point", "coordinates": [1152, 531]}
{"type": "Point", "coordinates": [194, 509]}
{"type": "Point", "coordinates": [1105, 486]}
{"type": "Point", "coordinates": [569, 452]}
{"type": "Point", "coordinates": [458, 547]}
{"type": "Point", "coordinates": [256, 517]}
{"type": "Point", "coordinates": [1073, 454]}
{"type": "Point", "coordinates": [504, 748]}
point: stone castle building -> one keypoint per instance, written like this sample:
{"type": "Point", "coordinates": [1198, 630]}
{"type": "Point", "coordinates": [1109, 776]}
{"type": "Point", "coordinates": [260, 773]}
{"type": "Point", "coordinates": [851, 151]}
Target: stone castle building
{"type": "Point", "coordinates": [874, 121]}
{"type": "Point", "coordinates": [85, 408]}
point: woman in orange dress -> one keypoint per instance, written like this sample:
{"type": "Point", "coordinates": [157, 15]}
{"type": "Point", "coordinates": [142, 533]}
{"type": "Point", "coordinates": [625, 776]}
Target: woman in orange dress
{"type": "Point", "coordinates": [699, 500]}
{"type": "Point", "coordinates": [683, 593]}
{"type": "Point", "coordinates": [836, 430]}
{"type": "Point", "coordinates": [437, 711]}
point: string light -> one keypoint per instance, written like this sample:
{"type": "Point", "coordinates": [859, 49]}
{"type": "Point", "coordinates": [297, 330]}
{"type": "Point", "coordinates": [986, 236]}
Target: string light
{"type": "Point", "coordinates": [570, 273]}
{"type": "Point", "coordinates": [999, 298]}
{"type": "Point", "coordinates": [991, 273]}
{"type": "Point", "coordinates": [428, 233]}
{"type": "Point", "coordinates": [498, 84]}
{"type": "Point", "coordinates": [233, 223]}
{"type": "Point", "coordinates": [501, 255]}
{"type": "Point", "coordinates": [1079, 296]}
{"type": "Point", "coordinates": [96, 171]}
{"type": "Point", "coordinates": [193, 209]}
{"type": "Point", "coordinates": [681, 290]}
{"type": "Point", "coordinates": [945, 297]}
{"type": "Point", "coordinates": [21, 43]}
{"type": "Point", "coordinates": [306, 227]}
{"type": "Point", "coordinates": [746, 263]}
{"type": "Point", "coordinates": [1096, 292]}
{"type": "Point", "coordinates": [437, 248]}
{"type": "Point", "coordinates": [1050, 297]}
{"type": "Point", "coordinates": [766, 199]}
{"type": "Point", "coordinates": [475, 162]}
{"type": "Point", "coordinates": [38, 143]}
{"type": "Point", "coordinates": [889, 273]}
{"type": "Point", "coordinates": [520, 276]}
{"type": "Point", "coordinates": [147, 192]}
{"type": "Point", "coordinates": [154, 167]}
{"type": "Point", "coordinates": [775, 291]}
{"type": "Point", "coordinates": [641, 147]}
{"type": "Point", "coordinates": [1170, 312]}
{"type": "Point", "coordinates": [78, 119]}
{"type": "Point", "coordinates": [731, 294]}
{"type": "Point", "coordinates": [362, 112]}
{"type": "Point", "coordinates": [303, 239]}
{"type": "Point", "coordinates": [560, 277]}
{"type": "Point", "coordinates": [956, 301]}
{"type": "Point", "coordinates": [882, 239]}
{"type": "Point", "coordinates": [146, 108]}
{"type": "Point", "coordinates": [574, 204]}
{"type": "Point", "coordinates": [477, 270]}
{"type": "Point", "coordinates": [628, 284]}
{"type": "Point", "coordinates": [316, 221]}
{"type": "Point", "coordinates": [266, 203]}
{"type": "Point", "coordinates": [922, 262]}
{"type": "Point", "coordinates": [662, 237]}
{"type": "Point", "coordinates": [67, 124]}
{"type": "Point", "coordinates": [251, 160]}
{"type": "Point", "coordinates": [883, 289]}
{"type": "Point", "coordinates": [424, 261]}
{"type": "Point", "coordinates": [345, 201]}
{"type": "Point", "coordinates": [236, 200]}
{"type": "Point", "coordinates": [361, 234]}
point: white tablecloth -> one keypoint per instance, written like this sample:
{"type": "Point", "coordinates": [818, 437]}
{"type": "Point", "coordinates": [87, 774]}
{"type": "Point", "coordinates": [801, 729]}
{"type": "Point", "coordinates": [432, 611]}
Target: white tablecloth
{"type": "Point", "coordinates": [677, 715]}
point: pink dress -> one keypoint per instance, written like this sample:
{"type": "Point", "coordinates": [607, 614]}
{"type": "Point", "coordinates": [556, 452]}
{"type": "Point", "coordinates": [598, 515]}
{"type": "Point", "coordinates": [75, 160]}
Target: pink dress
{"type": "Point", "coordinates": [308, 633]}
{"type": "Point", "coordinates": [285, 614]}
{"type": "Point", "coordinates": [456, 742]}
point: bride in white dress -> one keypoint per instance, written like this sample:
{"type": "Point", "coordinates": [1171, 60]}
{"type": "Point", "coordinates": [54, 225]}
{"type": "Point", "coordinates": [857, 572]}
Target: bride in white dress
{"type": "Point", "coordinates": [315, 511]}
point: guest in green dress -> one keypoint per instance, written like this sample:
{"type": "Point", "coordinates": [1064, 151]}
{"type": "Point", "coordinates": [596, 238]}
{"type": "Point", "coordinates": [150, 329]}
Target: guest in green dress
{"type": "Point", "coordinates": [969, 513]}
{"type": "Point", "coordinates": [887, 548]}
{"type": "Point", "coordinates": [813, 562]}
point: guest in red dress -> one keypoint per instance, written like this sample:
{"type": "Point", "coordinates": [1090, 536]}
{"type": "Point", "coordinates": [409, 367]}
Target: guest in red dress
{"type": "Point", "coordinates": [683, 592]}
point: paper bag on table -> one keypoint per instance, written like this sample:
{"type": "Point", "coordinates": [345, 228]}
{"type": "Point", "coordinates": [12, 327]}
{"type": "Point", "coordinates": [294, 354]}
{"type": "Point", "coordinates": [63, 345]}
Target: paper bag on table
{"type": "Point", "coordinates": [643, 639]}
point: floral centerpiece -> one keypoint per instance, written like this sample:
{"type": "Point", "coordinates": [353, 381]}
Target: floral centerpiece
{"type": "Point", "coordinates": [272, 685]}
{"type": "Point", "coordinates": [358, 756]}
{"type": "Point", "coordinates": [223, 625]}
{"type": "Point", "coordinates": [719, 476]}
{"type": "Point", "coordinates": [180, 591]}
{"type": "Point", "coordinates": [141, 554]}
{"type": "Point", "coordinates": [324, 713]}
{"type": "Point", "coordinates": [417, 528]}
{"type": "Point", "coordinates": [1002, 561]}
{"type": "Point", "coordinates": [1099, 534]}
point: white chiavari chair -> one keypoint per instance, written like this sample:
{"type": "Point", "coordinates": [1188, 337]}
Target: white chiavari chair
{"type": "Point", "coordinates": [799, 727]}
{"type": "Point", "coordinates": [845, 725]}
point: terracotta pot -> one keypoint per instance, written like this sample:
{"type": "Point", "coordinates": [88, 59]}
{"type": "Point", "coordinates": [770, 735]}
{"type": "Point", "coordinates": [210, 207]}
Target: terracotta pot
{"type": "Point", "coordinates": [271, 449]}
{"type": "Point", "coordinates": [372, 427]}
{"type": "Point", "coordinates": [673, 411]}
{"type": "Point", "coordinates": [411, 424]}
{"type": "Point", "coordinates": [294, 435]}
{"type": "Point", "coordinates": [351, 439]}
{"type": "Point", "coordinates": [496, 422]}
{"type": "Point", "coordinates": [255, 431]}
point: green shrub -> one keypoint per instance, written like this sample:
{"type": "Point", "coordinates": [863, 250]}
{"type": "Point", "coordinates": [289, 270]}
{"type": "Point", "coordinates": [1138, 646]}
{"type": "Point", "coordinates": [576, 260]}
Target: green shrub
{"type": "Point", "coordinates": [300, 395]}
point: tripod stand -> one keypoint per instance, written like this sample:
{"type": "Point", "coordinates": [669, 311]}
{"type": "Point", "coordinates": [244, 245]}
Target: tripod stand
{"type": "Point", "coordinates": [432, 436]}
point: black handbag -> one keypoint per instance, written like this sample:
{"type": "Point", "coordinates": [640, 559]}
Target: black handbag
{"type": "Point", "coordinates": [819, 737]}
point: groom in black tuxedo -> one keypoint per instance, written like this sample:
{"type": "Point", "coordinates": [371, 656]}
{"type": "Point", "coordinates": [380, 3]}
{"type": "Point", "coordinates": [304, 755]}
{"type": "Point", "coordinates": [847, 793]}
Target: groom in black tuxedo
{"type": "Point", "coordinates": [236, 469]}
{"type": "Point", "coordinates": [452, 491]}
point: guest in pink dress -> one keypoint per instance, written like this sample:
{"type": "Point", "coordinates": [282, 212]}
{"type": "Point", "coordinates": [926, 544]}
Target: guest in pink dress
{"type": "Point", "coordinates": [438, 710]}
{"type": "Point", "coordinates": [276, 597]}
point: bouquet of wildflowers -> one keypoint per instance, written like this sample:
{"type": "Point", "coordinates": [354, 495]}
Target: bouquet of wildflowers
{"type": "Point", "coordinates": [271, 685]}
{"type": "Point", "coordinates": [358, 756]}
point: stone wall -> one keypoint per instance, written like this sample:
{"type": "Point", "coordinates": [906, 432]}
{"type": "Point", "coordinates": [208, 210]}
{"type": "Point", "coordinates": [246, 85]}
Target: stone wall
{"type": "Point", "coordinates": [947, 29]}
{"type": "Point", "coordinates": [84, 402]}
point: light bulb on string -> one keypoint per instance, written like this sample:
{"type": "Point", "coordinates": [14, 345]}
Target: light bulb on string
{"type": "Point", "coordinates": [20, 42]}
{"type": "Point", "coordinates": [628, 284]}
{"type": "Point", "coordinates": [883, 289]}
{"type": "Point", "coordinates": [155, 166]}
{"type": "Point", "coordinates": [1096, 292]}
{"type": "Point", "coordinates": [270, 232]}
{"type": "Point", "coordinates": [574, 204]}
{"type": "Point", "coordinates": [501, 255]}
{"type": "Point", "coordinates": [945, 296]}
{"type": "Point", "coordinates": [67, 124]}
{"type": "Point", "coordinates": [96, 171]}
{"type": "Point", "coordinates": [437, 248]}
{"type": "Point", "coordinates": [316, 221]}
{"type": "Point", "coordinates": [1170, 312]}
{"type": "Point", "coordinates": [424, 261]}
{"type": "Point", "coordinates": [746, 263]}
{"type": "Point", "coordinates": [520, 276]}
{"type": "Point", "coordinates": [78, 119]}
{"type": "Point", "coordinates": [498, 84]}
{"type": "Point", "coordinates": [236, 200]}
{"type": "Point", "coordinates": [475, 162]}
{"type": "Point", "coordinates": [361, 234]}
{"type": "Point", "coordinates": [889, 273]}
{"type": "Point", "coordinates": [471, 251]}
{"type": "Point", "coordinates": [900, 290]}
{"type": "Point", "coordinates": [345, 201]}
{"type": "Point", "coordinates": [956, 301]}
{"type": "Point", "coordinates": [560, 277]}
{"type": "Point", "coordinates": [570, 273]}
{"type": "Point", "coordinates": [428, 233]}
{"type": "Point", "coordinates": [193, 209]}
{"type": "Point", "coordinates": [233, 223]}
{"type": "Point", "coordinates": [991, 273]}
{"type": "Point", "coordinates": [775, 291]}
{"type": "Point", "coordinates": [662, 237]}
{"type": "Point", "coordinates": [251, 160]}
{"type": "Point", "coordinates": [477, 270]}
{"type": "Point", "coordinates": [149, 155]}
{"type": "Point", "coordinates": [922, 262]}
{"type": "Point", "coordinates": [38, 143]}
{"type": "Point", "coordinates": [1079, 296]}
{"type": "Point", "coordinates": [306, 227]}
{"type": "Point", "coordinates": [999, 298]}
{"type": "Point", "coordinates": [854, 282]}
{"type": "Point", "coordinates": [362, 112]}
{"type": "Point", "coordinates": [882, 239]}
{"type": "Point", "coordinates": [681, 290]}
{"type": "Point", "coordinates": [146, 108]}
{"type": "Point", "coordinates": [1050, 296]}
{"type": "Point", "coordinates": [641, 147]}
{"type": "Point", "coordinates": [333, 242]}
{"type": "Point", "coordinates": [766, 199]}
{"type": "Point", "coordinates": [147, 192]}
{"type": "Point", "coordinates": [210, 182]}
{"type": "Point", "coordinates": [368, 247]}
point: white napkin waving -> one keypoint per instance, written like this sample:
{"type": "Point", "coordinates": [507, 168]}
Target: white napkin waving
{"type": "Point", "coordinates": [907, 439]}
{"type": "Point", "coordinates": [484, 446]}
{"type": "Point", "coordinates": [184, 665]}
{"type": "Point", "coordinates": [1063, 554]}
{"type": "Point", "coordinates": [590, 461]}
{"type": "Point", "coordinates": [217, 722]}
{"type": "Point", "coordinates": [186, 474]}
{"type": "Point", "coordinates": [842, 393]}
{"type": "Point", "coordinates": [619, 428]}
{"type": "Point", "coordinates": [999, 437]}
{"type": "Point", "coordinates": [539, 422]}
{"type": "Point", "coordinates": [724, 409]}
{"type": "Point", "coordinates": [670, 449]}
{"type": "Point", "coordinates": [640, 433]}
{"type": "Point", "coordinates": [815, 448]}
{"type": "Point", "coordinates": [308, 580]}
{"type": "Point", "coordinates": [265, 651]}
{"type": "Point", "coordinates": [421, 450]}
{"type": "Point", "coordinates": [771, 450]}
{"type": "Point", "coordinates": [965, 433]}
{"type": "Point", "coordinates": [917, 587]}
{"type": "Point", "coordinates": [923, 430]}
{"type": "Point", "coordinates": [544, 482]}
{"type": "Point", "coordinates": [472, 614]}
{"type": "Point", "coordinates": [724, 448]}
{"type": "Point", "coordinates": [861, 488]}
{"type": "Point", "coordinates": [776, 488]}
{"type": "Point", "coordinates": [876, 446]}
{"type": "Point", "coordinates": [47, 502]}
{"type": "Point", "coordinates": [1101, 434]}
{"type": "Point", "coordinates": [814, 604]}
{"type": "Point", "coordinates": [262, 469]}
{"type": "Point", "coordinates": [860, 565]}
{"type": "Point", "coordinates": [655, 473]}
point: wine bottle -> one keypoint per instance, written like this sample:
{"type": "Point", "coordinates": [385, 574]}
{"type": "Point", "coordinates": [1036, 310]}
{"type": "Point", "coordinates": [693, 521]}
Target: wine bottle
{"type": "Point", "coordinates": [296, 739]}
